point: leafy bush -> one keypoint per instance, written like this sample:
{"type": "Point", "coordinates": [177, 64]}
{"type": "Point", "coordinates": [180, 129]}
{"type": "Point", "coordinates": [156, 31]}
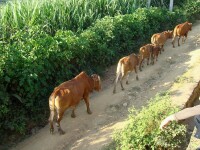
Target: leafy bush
{"type": "Point", "coordinates": [192, 10]}
{"type": "Point", "coordinates": [142, 131]}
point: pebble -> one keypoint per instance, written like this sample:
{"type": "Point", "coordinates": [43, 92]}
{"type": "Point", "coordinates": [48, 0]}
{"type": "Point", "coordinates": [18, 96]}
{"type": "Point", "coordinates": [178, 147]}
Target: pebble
{"type": "Point", "coordinates": [125, 104]}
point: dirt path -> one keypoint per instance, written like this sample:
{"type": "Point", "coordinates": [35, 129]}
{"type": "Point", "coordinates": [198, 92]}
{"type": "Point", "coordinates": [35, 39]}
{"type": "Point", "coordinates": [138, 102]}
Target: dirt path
{"type": "Point", "coordinates": [89, 132]}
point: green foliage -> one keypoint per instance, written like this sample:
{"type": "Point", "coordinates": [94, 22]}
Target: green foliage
{"type": "Point", "coordinates": [192, 10]}
{"type": "Point", "coordinates": [142, 131]}
{"type": "Point", "coordinates": [72, 15]}
{"type": "Point", "coordinates": [75, 15]}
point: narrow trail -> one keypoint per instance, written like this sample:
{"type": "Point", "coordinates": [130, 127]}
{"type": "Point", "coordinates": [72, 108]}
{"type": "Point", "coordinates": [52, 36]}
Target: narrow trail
{"type": "Point", "coordinates": [89, 132]}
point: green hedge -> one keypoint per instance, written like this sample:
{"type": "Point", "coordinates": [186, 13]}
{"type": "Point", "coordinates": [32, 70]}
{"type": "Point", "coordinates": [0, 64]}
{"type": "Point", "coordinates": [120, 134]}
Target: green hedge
{"type": "Point", "coordinates": [192, 10]}
{"type": "Point", "coordinates": [32, 62]}
{"type": "Point", "coordinates": [142, 131]}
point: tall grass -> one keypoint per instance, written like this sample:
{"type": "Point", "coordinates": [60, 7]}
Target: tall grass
{"type": "Point", "coordinates": [75, 15]}
{"type": "Point", "coordinates": [72, 15]}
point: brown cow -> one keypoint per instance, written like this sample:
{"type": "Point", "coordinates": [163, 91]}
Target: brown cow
{"type": "Point", "coordinates": [124, 67]}
{"type": "Point", "coordinates": [148, 51]}
{"type": "Point", "coordinates": [145, 53]}
{"type": "Point", "coordinates": [155, 52]}
{"type": "Point", "coordinates": [161, 38]}
{"type": "Point", "coordinates": [181, 30]}
{"type": "Point", "coordinates": [69, 94]}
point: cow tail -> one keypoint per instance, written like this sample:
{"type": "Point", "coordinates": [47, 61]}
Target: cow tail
{"type": "Point", "coordinates": [118, 71]}
{"type": "Point", "coordinates": [153, 39]}
{"type": "Point", "coordinates": [175, 31]}
{"type": "Point", "coordinates": [51, 107]}
{"type": "Point", "coordinates": [119, 67]}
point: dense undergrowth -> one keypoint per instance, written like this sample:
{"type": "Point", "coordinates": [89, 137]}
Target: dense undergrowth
{"type": "Point", "coordinates": [142, 131]}
{"type": "Point", "coordinates": [35, 58]}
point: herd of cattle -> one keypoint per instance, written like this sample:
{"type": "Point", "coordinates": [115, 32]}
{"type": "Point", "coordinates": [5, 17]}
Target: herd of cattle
{"type": "Point", "coordinates": [69, 93]}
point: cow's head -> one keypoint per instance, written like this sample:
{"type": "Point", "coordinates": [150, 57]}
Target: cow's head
{"type": "Point", "coordinates": [168, 34]}
{"type": "Point", "coordinates": [97, 82]}
{"type": "Point", "coordinates": [138, 59]}
{"type": "Point", "coordinates": [190, 26]}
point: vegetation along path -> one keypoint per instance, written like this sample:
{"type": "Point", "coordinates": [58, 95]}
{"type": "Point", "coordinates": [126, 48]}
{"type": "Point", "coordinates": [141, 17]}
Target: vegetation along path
{"type": "Point", "coordinates": [89, 132]}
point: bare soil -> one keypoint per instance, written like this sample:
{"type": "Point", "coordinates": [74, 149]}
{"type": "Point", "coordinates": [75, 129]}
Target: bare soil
{"type": "Point", "coordinates": [110, 111]}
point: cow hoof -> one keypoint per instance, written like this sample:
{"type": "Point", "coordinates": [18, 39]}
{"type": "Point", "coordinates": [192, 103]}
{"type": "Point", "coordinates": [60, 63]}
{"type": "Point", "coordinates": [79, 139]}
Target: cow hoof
{"type": "Point", "coordinates": [73, 115]}
{"type": "Point", "coordinates": [122, 89]}
{"type": "Point", "coordinates": [61, 131]}
{"type": "Point", "coordinates": [114, 92]}
{"type": "Point", "coordinates": [137, 78]}
{"type": "Point", "coordinates": [89, 112]}
{"type": "Point", "coordinates": [127, 82]}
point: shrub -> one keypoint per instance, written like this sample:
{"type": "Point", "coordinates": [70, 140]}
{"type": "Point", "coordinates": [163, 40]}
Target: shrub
{"type": "Point", "coordinates": [142, 131]}
{"type": "Point", "coordinates": [192, 10]}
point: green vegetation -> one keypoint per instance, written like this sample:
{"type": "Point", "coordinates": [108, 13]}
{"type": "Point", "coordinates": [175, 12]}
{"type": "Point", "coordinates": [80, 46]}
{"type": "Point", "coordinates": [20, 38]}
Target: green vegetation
{"type": "Point", "coordinates": [75, 15]}
{"type": "Point", "coordinates": [72, 15]}
{"type": "Point", "coordinates": [183, 79]}
{"type": "Point", "coordinates": [40, 48]}
{"type": "Point", "coordinates": [192, 10]}
{"type": "Point", "coordinates": [142, 131]}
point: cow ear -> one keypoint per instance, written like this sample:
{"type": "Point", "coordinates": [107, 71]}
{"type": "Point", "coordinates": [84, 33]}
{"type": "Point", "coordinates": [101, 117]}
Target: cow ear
{"type": "Point", "coordinates": [99, 78]}
{"type": "Point", "coordinates": [94, 76]}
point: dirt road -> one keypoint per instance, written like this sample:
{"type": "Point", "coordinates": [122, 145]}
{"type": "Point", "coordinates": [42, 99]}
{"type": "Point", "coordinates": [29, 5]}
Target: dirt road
{"type": "Point", "coordinates": [89, 132]}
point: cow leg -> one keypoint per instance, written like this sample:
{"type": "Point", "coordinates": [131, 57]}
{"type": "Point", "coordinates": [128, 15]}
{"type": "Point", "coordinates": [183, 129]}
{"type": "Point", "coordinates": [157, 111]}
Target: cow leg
{"type": "Point", "coordinates": [156, 57]}
{"type": "Point", "coordinates": [140, 66]}
{"type": "Point", "coordinates": [162, 47]}
{"type": "Point", "coordinates": [127, 78]}
{"type": "Point", "coordinates": [121, 80]}
{"type": "Point", "coordinates": [183, 41]}
{"type": "Point", "coordinates": [148, 61]}
{"type": "Point", "coordinates": [116, 80]}
{"type": "Point", "coordinates": [152, 59]}
{"type": "Point", "coordinates": [73, 112]}
{"type": "Point", "coordinates": [86, 99]}
{"type": "Point", "coordinates": [51, 121]}
{"type": "Point", "coordinates": [185, 38]}
{"type": "Point", "coordinates": [59, 117]}
{"type": "Point", "coordinates": [136, 73]}
{"type": "Point", "coordinates": [179, 40]}
{"type": "Point", "coordinates": [173, 40]}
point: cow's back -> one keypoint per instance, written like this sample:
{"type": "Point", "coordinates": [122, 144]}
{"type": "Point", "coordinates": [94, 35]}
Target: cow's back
{"type": "Point", "coordinates": [145, 51]}
{"type": "Point", "coordinates": [72, 91]}
{"type": "Point", "coordinates": [181, 29]}
{"type": "Point", "coordinates": [158, 38]}
{"type": "Point", "coordinates": [133, 60]}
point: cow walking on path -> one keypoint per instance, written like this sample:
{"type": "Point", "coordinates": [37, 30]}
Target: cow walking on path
{"type": "Point", "coordinates": [161, 38]}
{"type": "Point", "coordinates": [69, 94]}
{"type": "Point", "coordinates": [126, 65]}
{"type": "Point", "coordinates": [181, 30]}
